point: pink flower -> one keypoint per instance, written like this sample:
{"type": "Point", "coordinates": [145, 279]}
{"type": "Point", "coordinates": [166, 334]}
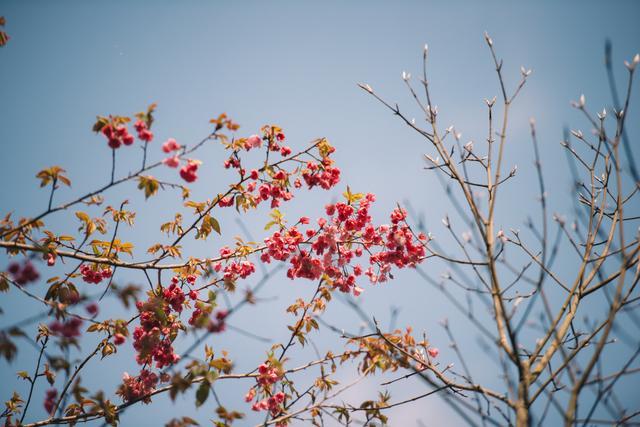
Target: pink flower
{"type": "Point", "coordinates": [50, 400]}
{"type": "Point", "coordinates": [254, 141]}
{"type": "Point", "coordinates": [170, 145]}
{"type": "Point", "coordinates": [139, 125]}
{"type": "Point", "coordinates": [118, 339]}
{"type": "Point", "coordinates": [92, 309]}
{"type": "Point", "coordinates": [433, 352]}
{"type": "Point", "coordinates": [285, 151]}
{"type": "Point", "coordinates": [172, 162]}
{"type": "Point", "coordinates": [189, 171]}
{"type": "Point", "coordinates": [250, 395]}
{"type": "Point", "coordinates": [146, 135]}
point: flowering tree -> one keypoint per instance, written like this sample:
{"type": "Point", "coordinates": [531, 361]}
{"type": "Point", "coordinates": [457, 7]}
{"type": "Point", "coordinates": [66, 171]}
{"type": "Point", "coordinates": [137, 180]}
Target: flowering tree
{"type": "Point", "coordinates": [337, 253]}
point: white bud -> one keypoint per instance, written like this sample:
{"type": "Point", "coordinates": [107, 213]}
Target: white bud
{"type": "Point", "coordinates": [525, 73]}
{"type": "Point", "coordinates": [488, 39]}
{"type": "Point", "coordinates": [406, 76]}
{"type": "Point", "coordinates": [490, 102]}
{"type": "Point", "coordinates": [432, 160]}
{"type": "Point", "coordinates": [469, 146]}
{"type": "Point", "coordinates": [582, 100]}
{"type": "Point", "coordinates": [577, 133]}
{"type": "Point", "coordinates": [559, 219]}
{"type": "Point", "coordinates": [631, 66]}
{"type": "Point", "coordinates": [445, 221]}
{"type": "Point", "coordinates": [603, 114]}
{"type": "Point", "coordinates": [366, 87]}
{"type": "Point", "coordinates": [426, 48]}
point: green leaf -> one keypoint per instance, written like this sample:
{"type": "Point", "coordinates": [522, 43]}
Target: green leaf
{"type": "Point", "coordinates": [202, 394]}
{"type": "Point", "coordinates": [215, 224]}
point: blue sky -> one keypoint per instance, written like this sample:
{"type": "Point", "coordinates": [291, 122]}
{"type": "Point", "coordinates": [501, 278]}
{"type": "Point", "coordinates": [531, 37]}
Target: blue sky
{"type": "Point", "coordinates": [296, 64]}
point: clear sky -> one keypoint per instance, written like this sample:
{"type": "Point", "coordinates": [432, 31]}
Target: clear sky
{"type": "Point", "coordinates": [295, 64]}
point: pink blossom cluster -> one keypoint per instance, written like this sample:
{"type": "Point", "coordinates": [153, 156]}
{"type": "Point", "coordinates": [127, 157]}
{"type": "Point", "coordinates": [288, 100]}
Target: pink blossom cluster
{"type": "Point", "coordinates": [274, 184]}
{"type": "Point", "coordinates": [268, 376]}
{"type": "Point", "coordinates": [50, 399]}
{"type": "Point", "coordinates": [273, 404]}
{"type": "Point", "coordinates": [68, 329]}
{"type": "Point", "coordinates": [171, 146]}
{"type": "Point", "coordinates": [174, 296]}
{"type": "Point", "coordinates": [117, 135]}
{"type": "Point", "coordinates": [140, 387]}
{"type": "Point", "coordinates": [345, 235]}
{"type": "Point", "coordinates": [158, 327]}
{"type": "Point", "coordinates": [218, 324]}
{"type": "Point", "coordinates": [233, 269]}
{"type": "Point", "coordinates": [322, 174]}
{"type": "Point", "coordinates": [144, 133]}
{"type": "Point", "coordinates": [188, 172]}
{"type": "Point", "coordinates": [23, 274]}
{"type": "Point", "coordinates": [95, 276]}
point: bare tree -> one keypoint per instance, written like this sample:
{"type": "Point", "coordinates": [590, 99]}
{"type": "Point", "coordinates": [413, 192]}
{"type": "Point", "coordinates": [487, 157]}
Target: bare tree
{"type": "Point", "coordinates": [552, 345]}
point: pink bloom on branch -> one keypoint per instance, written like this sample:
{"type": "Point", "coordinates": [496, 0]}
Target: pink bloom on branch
{"type": "Point", "coordinates": [139, 125]}
{"type": "Point", "coordinates": [133, 388]}
{"type": "Point", "coordinates": [172, 162]}
{"type": "Point", "coordinates": [69, 329]}
{"type": "Point", "coordinates": [285, 151]}
{"type": "Point", "coordinates": [143, 131]}
{"type": "Point", "coordinates": [92, 309]}
{"type": "Point", "coordinates": [189, 171]}
{"type": "Point", "coordinates": [433, 352]}
{"type": "Point", "coordinates": [50, 400]}
{"type": "Point", "coordinates": [170, 145]}
{"type": "Point", "coordinates": [118, 339]}
{"type": "Point", "coordinates": [254, 141]}
{"type": "Point", "coordinates": [146, 135]}
{"type": "Point", "coordinates": [251, 394]}
{"type": "Point", "coordinates": [25, 274]}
